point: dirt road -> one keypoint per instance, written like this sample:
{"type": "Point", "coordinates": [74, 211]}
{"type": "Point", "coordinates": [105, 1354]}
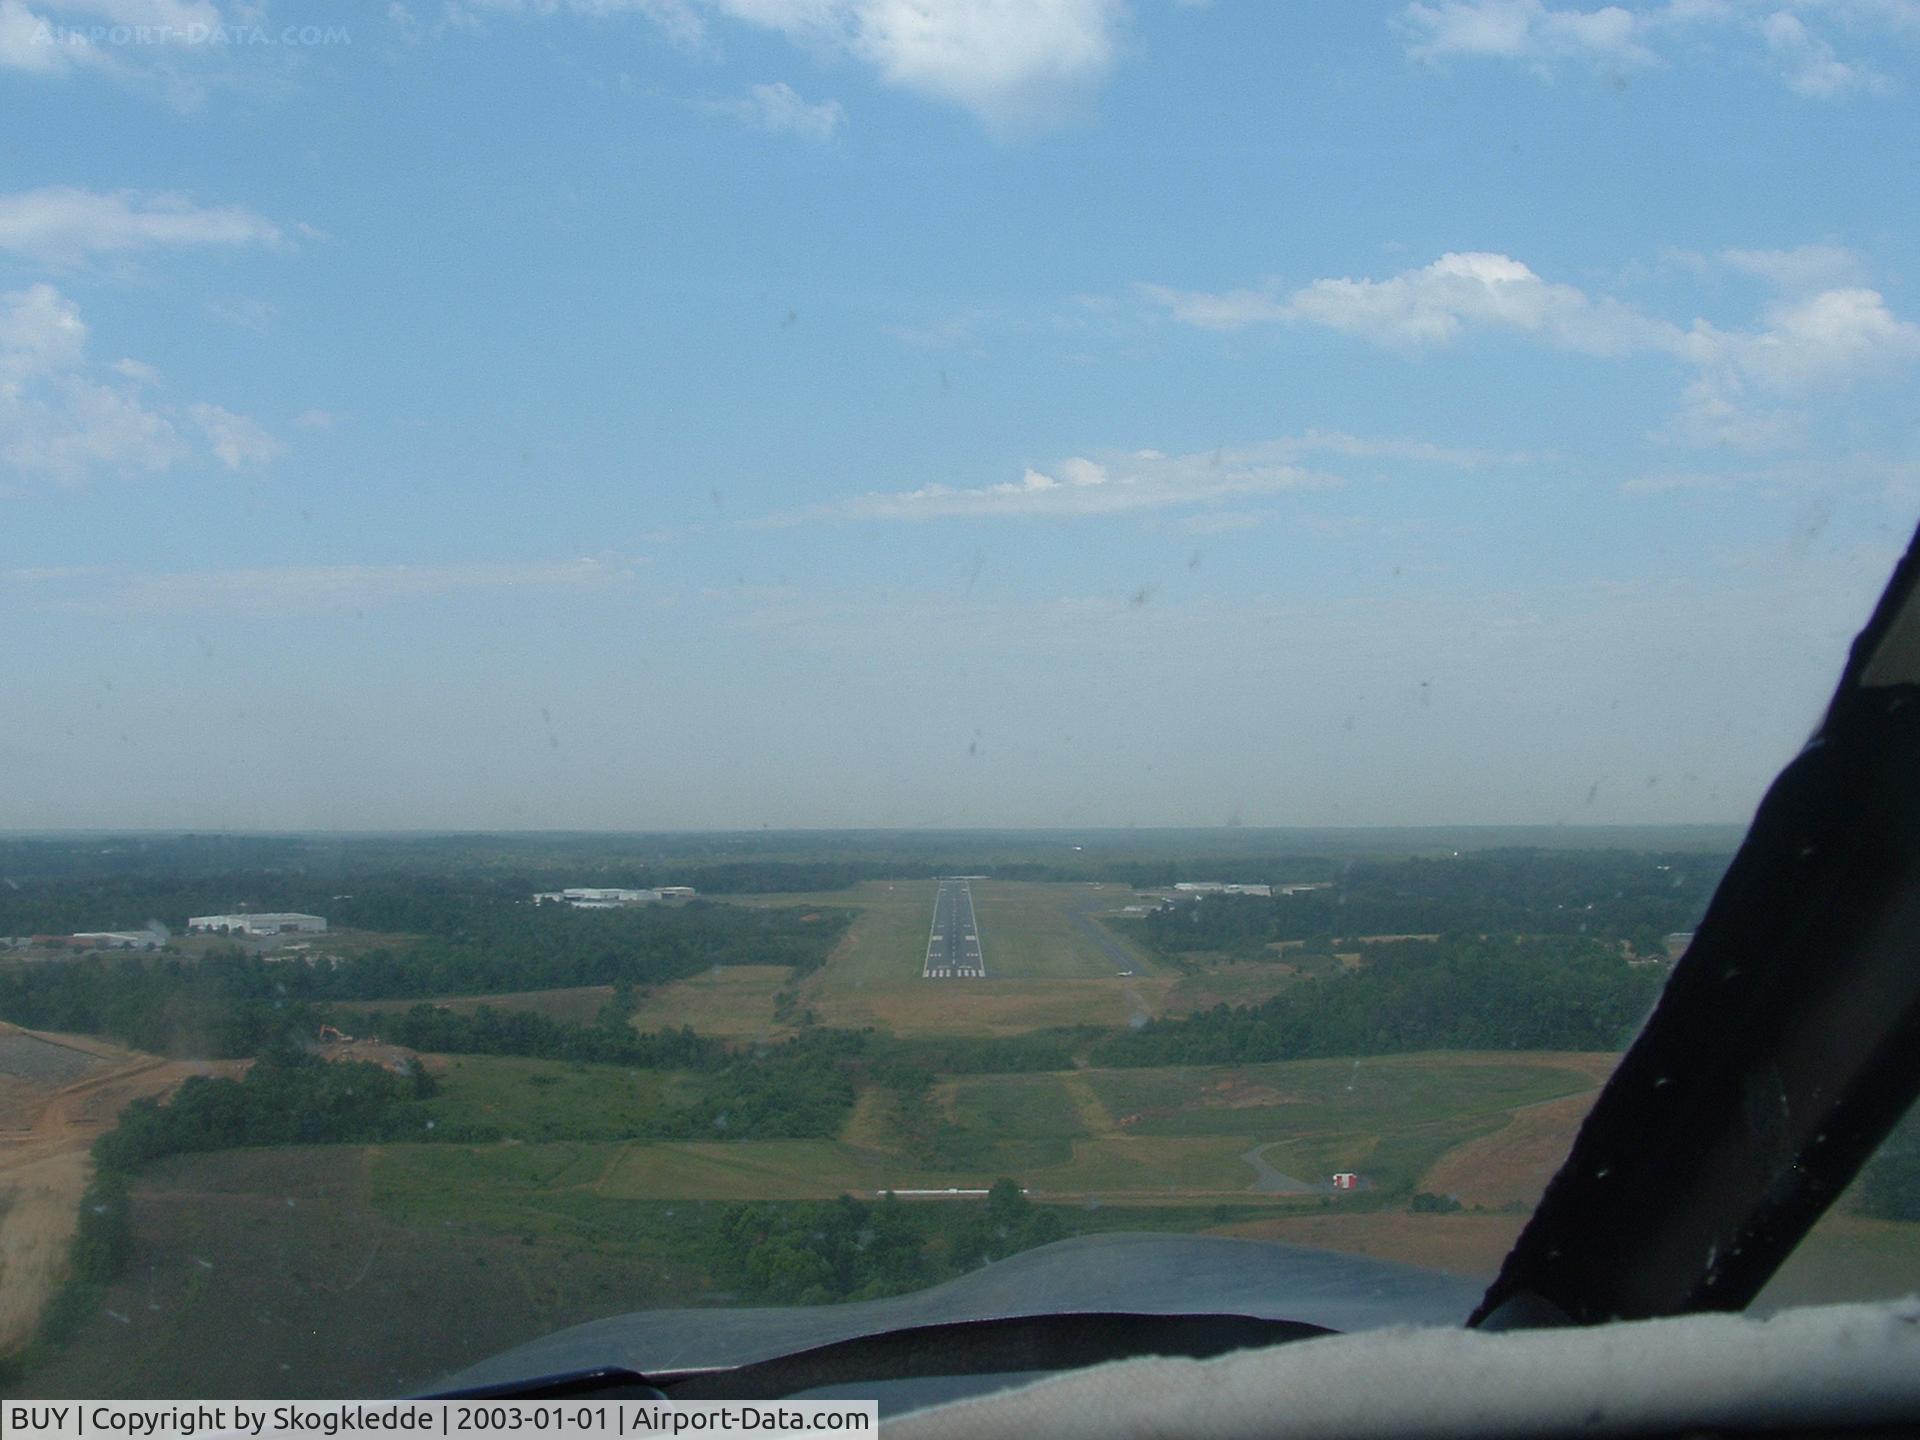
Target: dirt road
{"type": "Point", "coordinates": [46, 1128]}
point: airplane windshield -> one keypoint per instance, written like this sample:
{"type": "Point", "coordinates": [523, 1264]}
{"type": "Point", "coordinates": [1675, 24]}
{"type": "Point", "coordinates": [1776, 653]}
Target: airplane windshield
{"type": "Point", "coordinates": [676, 657]}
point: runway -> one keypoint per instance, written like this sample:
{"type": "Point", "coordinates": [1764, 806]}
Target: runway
{"type": "Point", "coordinates": [953, 946]}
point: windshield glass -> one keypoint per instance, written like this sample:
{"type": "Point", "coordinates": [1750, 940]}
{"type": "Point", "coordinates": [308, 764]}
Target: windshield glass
{"type": "Point", "coordinates": [723, 654]}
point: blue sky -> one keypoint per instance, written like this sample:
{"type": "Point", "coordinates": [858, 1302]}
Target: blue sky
{"type": "Point", "coordinates": [942, 412]}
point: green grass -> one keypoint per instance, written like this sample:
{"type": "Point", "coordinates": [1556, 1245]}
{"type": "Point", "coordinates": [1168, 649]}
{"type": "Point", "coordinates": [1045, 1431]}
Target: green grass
{"type": "Point", "coordinates": [732, 1002]}
{"type": "Point", "coordinates": [1027, 932]}
{"type": "Point", "coordinates": [536, 1100]}
{"type": "Point", "coordinates": [1016, 1107]}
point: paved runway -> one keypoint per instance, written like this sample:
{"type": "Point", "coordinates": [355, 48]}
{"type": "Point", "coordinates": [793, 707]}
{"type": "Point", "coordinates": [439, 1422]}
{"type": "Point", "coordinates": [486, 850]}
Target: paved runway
{"type": "Point", "coordinates": [953, 948]}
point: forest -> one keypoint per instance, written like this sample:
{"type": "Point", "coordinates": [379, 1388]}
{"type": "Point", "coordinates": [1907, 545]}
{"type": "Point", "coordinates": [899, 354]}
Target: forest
{"type": "Point", "coordinates": [1540, 993]}
{"type": "Point", "coordinates": [229, 1003]}
{"type": "Point", "coordinates": [847, 1249]}
{"type": "Point", "coordinates": [1636, 897]}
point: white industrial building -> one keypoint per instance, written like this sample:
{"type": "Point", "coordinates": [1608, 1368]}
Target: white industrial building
{"type": "Point", "coordinates": [117, 939]}
{"type": "Point", "coordinates": [262, 924]}
{"type": "Point", "coordinates": [585, 897]}
{"type": "Point", "coordinates": [1218, 887]}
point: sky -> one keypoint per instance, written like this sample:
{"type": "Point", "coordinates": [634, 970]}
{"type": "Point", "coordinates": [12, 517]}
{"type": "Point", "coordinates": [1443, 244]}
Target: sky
{"type": "Point", "coordinates": [658, 414]}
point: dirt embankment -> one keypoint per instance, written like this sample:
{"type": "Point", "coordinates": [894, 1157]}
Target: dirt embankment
{"type": "Point", "coordinates": [57, 1093]}
{"type": "Point", "coordinates": [1514, 1163]}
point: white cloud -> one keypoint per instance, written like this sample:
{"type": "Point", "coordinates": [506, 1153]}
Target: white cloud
{"type": "Point", "coordinates": [129, 40]}
{"type": "Point", "coordinates": [1524, 30]}
{"type": "Point", "coordinates": [1820, 341]}
{"type": "Point", "coordinates": [64, 418]}
{"type": "Point", "coordinates": [315, 420]}
{"type": "Point", "coordinates": [1142, 480]}
{"type": "Point", "coordinates": [1226, 310]}
{"type": "Point", "coordinates": [27, 42]}
{"type": "Point", "coordinates": [1805, 267]}
{"type": "Point", "coordinates": [1808, 65]}
{"type": "Point", "coordinates": [778, 109]}
{"type": "Point", "coordinates": [63, 225]}
{"type": "Point", "coordinates": [1015, 64]}
{"type": "Point", "coordinates": [1077, 486]}
{"type": "Point", "coordinates": [1809, 339]}
{"type": "Point", "coordinates": [236, 440]}
{"type": "Point", "coordinates": [1771, 33]}
{"type": "Point", "coordinates": [1431, 305]}
{"type": "Point", "coordinates": [137, 370]}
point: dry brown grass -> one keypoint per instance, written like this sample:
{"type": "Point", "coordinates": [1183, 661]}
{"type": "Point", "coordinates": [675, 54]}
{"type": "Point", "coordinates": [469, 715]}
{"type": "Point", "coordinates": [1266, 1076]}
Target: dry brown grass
{"type": "Point", "coordinates": [1516, 1161]}
{"type": "Point", "coordinates": [733, 1002]}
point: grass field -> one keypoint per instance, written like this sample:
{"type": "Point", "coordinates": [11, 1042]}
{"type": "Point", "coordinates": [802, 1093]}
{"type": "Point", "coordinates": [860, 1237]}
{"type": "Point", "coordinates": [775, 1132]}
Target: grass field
{"type": "Point", "coordinates": [1228, 982]}
{"type": "Point", "coordinates": [282, 1273]}
{"type": "Point", "coordinates": [1119, 1135]}
{"type": "Point", "coordinates": [533, 1100]}
{"type": "Point", "coordinates": [733, 1002]}
{"type": "Point", "coordinates": [335, 1263]}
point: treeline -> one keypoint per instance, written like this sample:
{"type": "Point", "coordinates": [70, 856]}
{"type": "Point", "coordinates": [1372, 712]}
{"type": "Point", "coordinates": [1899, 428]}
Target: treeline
{"type": "Point", "coordinates": [231, 1003]}
{"type": "Point", "coordinates": [1608, 894]}
{"type": "Point", "coordinates": [1035, 1051]}
{"type": "Point", "coordinates": [800, 1089]}
{"type": "Point", "coordinates": [228, 1006]}
{"type": "Point", "coordinates": [486, 1030]}
{"type": "Point", "coordinates": [1548, 993]}
{"type": "Point", "coordinates": [287, 1098]}
{"type": "Point", "coordinates": [847, 1249]}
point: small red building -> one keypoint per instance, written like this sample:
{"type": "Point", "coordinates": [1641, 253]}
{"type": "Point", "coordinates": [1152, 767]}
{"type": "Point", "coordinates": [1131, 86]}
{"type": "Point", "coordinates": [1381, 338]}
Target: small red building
{"type": "Point", "coordinates": [1345, 1180]}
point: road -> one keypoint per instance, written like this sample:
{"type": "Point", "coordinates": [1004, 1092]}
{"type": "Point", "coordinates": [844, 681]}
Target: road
{"type": "Point", "coordinates": [49, 1115]}
{"type": "Point", "coordinates": [953, 946]}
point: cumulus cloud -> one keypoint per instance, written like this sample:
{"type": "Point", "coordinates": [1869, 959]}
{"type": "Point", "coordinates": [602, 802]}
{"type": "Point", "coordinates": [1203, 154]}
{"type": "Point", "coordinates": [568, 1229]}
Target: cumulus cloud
{"type": "Point", "coordinates": [1807, 64]}
{"type": "Point", "coordinates": [778, 109]}
{"type": "Point", "coordinates": [27, 43]}
{"type": "Point", "coordinates": [1802, 268]}
{"type": "Point", "coordinates": [129, 40]}
{"type": "Point", "coordinates": [236, 441]}
{"type": "Point", "coordinates": [1431, 305]}
{"type": "Point", "coordinates": [1811, 336]}
{"type": "Point", "coordinates": [64, 418]}
{"type": "Point", "coordinates": [1015, 64]}
{"type": "Point", "coordinates": [64, 226]}
{"type": "Point", "coordinates": [1524, 30]}
{"type": "Point", "coordinates": [1820, 341]}
{"type": "Point", "coordinates": [1775, 35]}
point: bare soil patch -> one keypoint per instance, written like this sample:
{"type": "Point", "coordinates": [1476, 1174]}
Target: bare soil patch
{"type": "Point", "coordinates": [1514, 1162]}
{"type": "Point", "coordinates": [44, 1165]}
